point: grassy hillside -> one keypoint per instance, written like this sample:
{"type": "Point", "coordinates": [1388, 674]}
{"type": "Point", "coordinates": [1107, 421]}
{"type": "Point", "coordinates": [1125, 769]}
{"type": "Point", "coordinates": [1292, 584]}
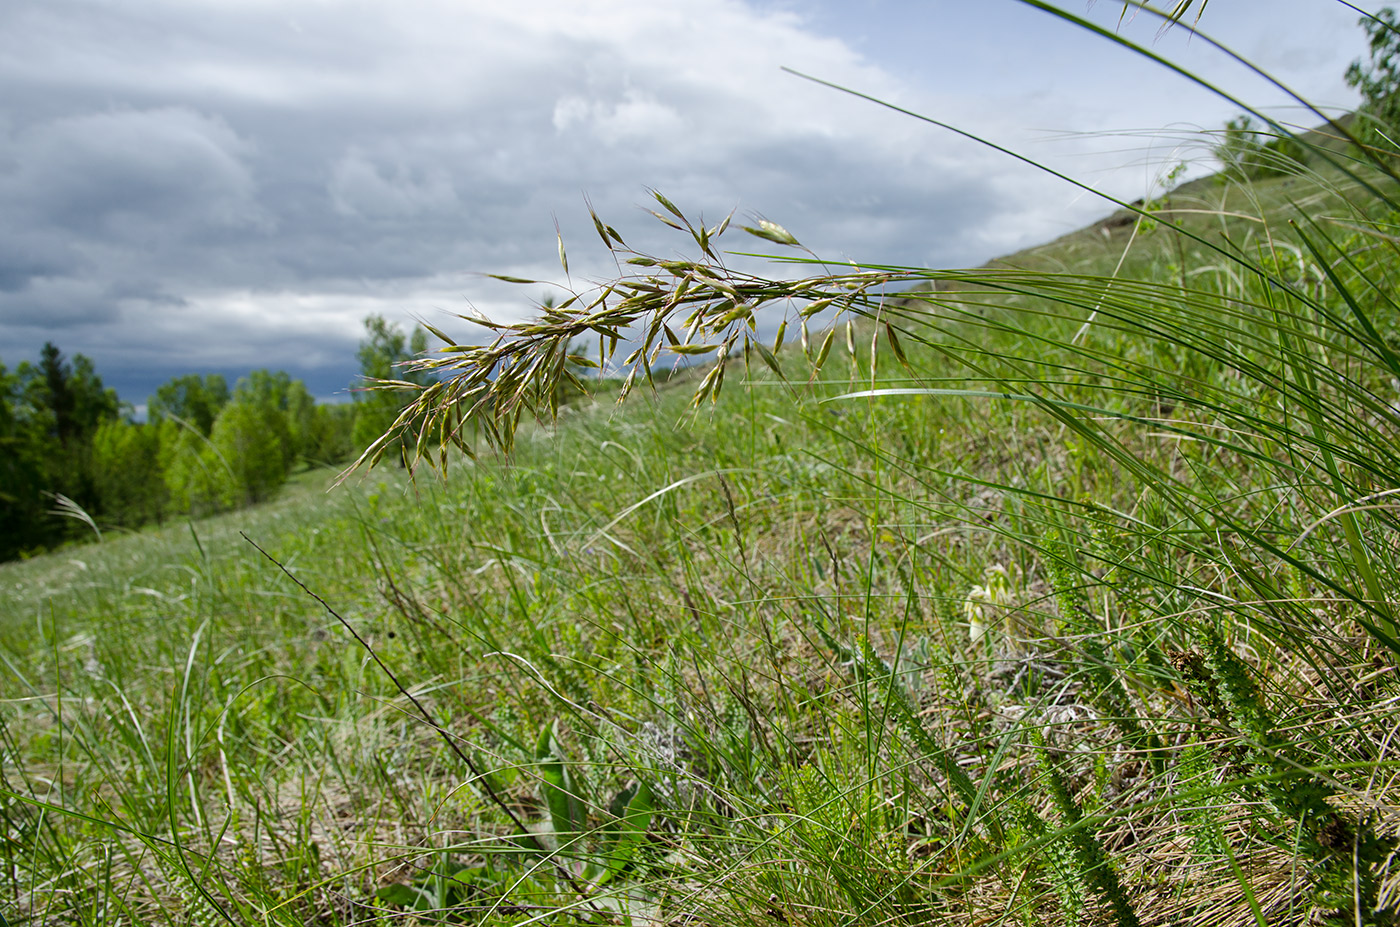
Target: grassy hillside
{"type": "Point", "coordinates": [1090, 621]}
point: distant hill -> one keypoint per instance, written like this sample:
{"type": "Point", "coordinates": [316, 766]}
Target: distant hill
{"type": "Point", "coordinates": [1211, 206]}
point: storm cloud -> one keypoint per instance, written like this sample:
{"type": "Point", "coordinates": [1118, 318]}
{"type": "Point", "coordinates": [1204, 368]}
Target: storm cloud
{"type": "Point", "coordinates": [213, 185]}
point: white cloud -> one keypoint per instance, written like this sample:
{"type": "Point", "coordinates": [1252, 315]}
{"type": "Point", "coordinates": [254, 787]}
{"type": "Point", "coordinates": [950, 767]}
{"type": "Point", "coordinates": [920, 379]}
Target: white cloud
{"type": "Point", "coordinates": [636, 116]}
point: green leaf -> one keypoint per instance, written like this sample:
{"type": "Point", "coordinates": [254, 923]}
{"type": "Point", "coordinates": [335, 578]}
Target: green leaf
{"type": "Point", "coordinates": [567, 813]}
{"type": "Point", "coordinates": [405, 896]}
{"type": "Point", "coordinates": [631, 829]}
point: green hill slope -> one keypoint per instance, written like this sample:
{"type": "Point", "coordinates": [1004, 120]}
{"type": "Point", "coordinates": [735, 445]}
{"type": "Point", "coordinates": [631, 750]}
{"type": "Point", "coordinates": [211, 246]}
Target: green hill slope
{"type": "Point", "coordinates": [1075, 607]}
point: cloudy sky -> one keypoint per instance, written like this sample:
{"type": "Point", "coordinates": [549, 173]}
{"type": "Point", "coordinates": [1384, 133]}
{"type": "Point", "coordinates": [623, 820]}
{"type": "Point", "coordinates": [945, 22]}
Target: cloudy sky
{"type": "Point", "coordinates": [217, 185]}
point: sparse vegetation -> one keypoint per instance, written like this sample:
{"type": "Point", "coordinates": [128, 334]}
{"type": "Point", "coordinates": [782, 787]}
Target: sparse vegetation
{"type": "Point", "coordinates": [1059, 591]}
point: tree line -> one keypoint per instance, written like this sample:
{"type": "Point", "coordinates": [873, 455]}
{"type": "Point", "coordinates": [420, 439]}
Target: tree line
{"type": "Point", "coordinates": [74, 459]}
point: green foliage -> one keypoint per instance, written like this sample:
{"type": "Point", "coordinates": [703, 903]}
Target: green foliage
{"type": "Point", "coordinates": [457, 893]}
{"type": "Point", "coordinates": [568, 816]}
{"type": "Point", "coordinates": [127, 473]}
{"type": "Point", "coordinates": [542, 865]}
{"type": "Point", "coordinates": [1136, 437]}
{"type": "Point", "coordinates": [1086, 857]}
{"type": "Point", "coordinates": [298, 409]}
{"type": "Point", "coordinates": [72, 395]}
{"type": "Point", "coordinates": [69, 402]}
{"type": "Point", "coordinates": [596, 857]}
{"type": "Point", "coordinates": [722, 673]}
{"type": "Point", "coordinates": [251, 440]}
{"type": "Point", "coordinates": [22, 476]}
{"type": "Point", "coordinates": [844, 835]}
{"type": "Point", "coordinates": [328, 436]}
{"type": "Point", "coordinates": [1105, 689]}
{"type": "Point", "coordinates": [1059, 864]}
{"type": "Point", "coordinates": [63, 440]}
{"type": "Point", "coordinates": [285, 406]}
{"type": "Point", "coordinates": [52, 410]}
{"type": "Point", "coordinates": [192, 398]}
{"type": "Point", "coordinates": [1349, 857]}
{"type": "Point", "coordinates": [1379, 80]}
{"type": "Point", "coordinates": [197, 479]}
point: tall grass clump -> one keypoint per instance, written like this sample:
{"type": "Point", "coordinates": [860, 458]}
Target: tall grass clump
{"type": "Point", "coordinates": [1176, 541]}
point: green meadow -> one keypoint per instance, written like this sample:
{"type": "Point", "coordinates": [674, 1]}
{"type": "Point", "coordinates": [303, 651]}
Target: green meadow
{"type": "Point", "coordinates": [1058, 591]}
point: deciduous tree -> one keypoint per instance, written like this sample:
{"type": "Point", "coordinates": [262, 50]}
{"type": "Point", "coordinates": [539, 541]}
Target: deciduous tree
{"type": "Point", "coordinates": [250, 438]}
{"type": "Point", "coordinates": [192, 398]}
{"type": "Point", "coordinates": [126, 470]}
